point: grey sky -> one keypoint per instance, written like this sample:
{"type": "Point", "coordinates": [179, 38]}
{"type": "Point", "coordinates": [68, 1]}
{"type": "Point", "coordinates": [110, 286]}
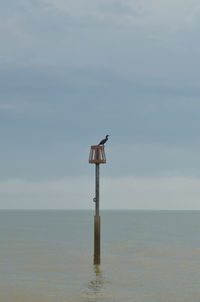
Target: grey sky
{"type": "Point", "coordinates": [73, 71]}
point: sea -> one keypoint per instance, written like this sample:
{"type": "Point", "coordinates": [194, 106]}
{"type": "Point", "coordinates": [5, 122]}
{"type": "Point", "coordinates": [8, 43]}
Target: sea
{"type": "Point", "coordinates": [146, 256]}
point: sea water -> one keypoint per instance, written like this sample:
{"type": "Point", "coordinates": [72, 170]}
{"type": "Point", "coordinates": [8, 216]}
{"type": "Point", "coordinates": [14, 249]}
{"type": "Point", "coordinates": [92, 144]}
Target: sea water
{"type": "Point", "coordinates": [147, 256]}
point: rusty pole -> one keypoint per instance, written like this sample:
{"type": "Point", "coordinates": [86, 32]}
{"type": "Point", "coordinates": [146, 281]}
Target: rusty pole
{"type": "Point", "coordinates": [97, 222]}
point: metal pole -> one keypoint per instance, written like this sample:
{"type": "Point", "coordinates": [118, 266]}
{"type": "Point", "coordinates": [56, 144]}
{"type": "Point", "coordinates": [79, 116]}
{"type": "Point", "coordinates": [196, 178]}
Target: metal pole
{"type": "Point", "coordinates": [97, 189]}
{"type": "Point", "coordinates": [97, 223]}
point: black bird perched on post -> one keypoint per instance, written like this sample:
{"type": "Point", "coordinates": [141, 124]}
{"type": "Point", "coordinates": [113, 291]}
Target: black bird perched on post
{"type": "Point", "coordinates": [103, 141]}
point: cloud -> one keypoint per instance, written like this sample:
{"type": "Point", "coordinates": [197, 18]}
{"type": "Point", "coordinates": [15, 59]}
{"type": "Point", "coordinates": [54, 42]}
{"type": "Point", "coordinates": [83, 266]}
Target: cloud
{"type": "Point", "coordinates": [7, 106]}
{"type": "Point", "coordinates": [62, 193]}
{"type": "Point", "coordinates": [72, 71]}
{"type": "Point", "coordinates": [174, 14]}
{"type": "Point", "coordinates": [127, 37]}
{"type": "Point", "coordinates": [119, 193]}
{"type": "Point", "coordinates": [151, 193]}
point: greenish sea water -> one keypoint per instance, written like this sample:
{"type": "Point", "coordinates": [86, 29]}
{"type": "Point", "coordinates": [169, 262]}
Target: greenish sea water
{"type": "Point", "coordinates": [147, 256]}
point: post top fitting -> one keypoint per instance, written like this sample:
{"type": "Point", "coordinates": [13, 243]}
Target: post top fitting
{"type": "Point", "coordinates": [97, 155]}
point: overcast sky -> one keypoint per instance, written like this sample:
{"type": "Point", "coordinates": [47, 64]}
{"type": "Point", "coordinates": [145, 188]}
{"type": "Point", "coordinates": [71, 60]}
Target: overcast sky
{"type": "Point", "coordinates": [73, 71]}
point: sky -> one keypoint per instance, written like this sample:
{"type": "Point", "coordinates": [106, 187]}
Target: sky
{"type": "Point", "coordinates": [73, 71]}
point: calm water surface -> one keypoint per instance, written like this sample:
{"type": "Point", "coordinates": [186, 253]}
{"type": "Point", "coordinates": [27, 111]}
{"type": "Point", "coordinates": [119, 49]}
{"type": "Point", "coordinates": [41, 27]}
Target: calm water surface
{"type": "Point", "coordinates": [147, 256]}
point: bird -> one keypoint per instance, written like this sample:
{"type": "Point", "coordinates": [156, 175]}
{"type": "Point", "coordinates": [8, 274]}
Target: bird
{"type": "Point", "coordinates": [103, 141]}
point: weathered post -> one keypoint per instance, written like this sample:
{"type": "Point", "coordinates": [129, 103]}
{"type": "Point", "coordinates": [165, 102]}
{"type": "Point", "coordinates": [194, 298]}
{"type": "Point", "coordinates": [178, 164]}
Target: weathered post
{"type": "Point", "coordinates": [97, 157]}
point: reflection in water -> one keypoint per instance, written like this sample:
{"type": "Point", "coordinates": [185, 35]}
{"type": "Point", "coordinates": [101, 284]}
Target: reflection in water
{"type": "Point", "coordinates": [94, 291]}
{"type": "Point", "coordinates": [97, 283]}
